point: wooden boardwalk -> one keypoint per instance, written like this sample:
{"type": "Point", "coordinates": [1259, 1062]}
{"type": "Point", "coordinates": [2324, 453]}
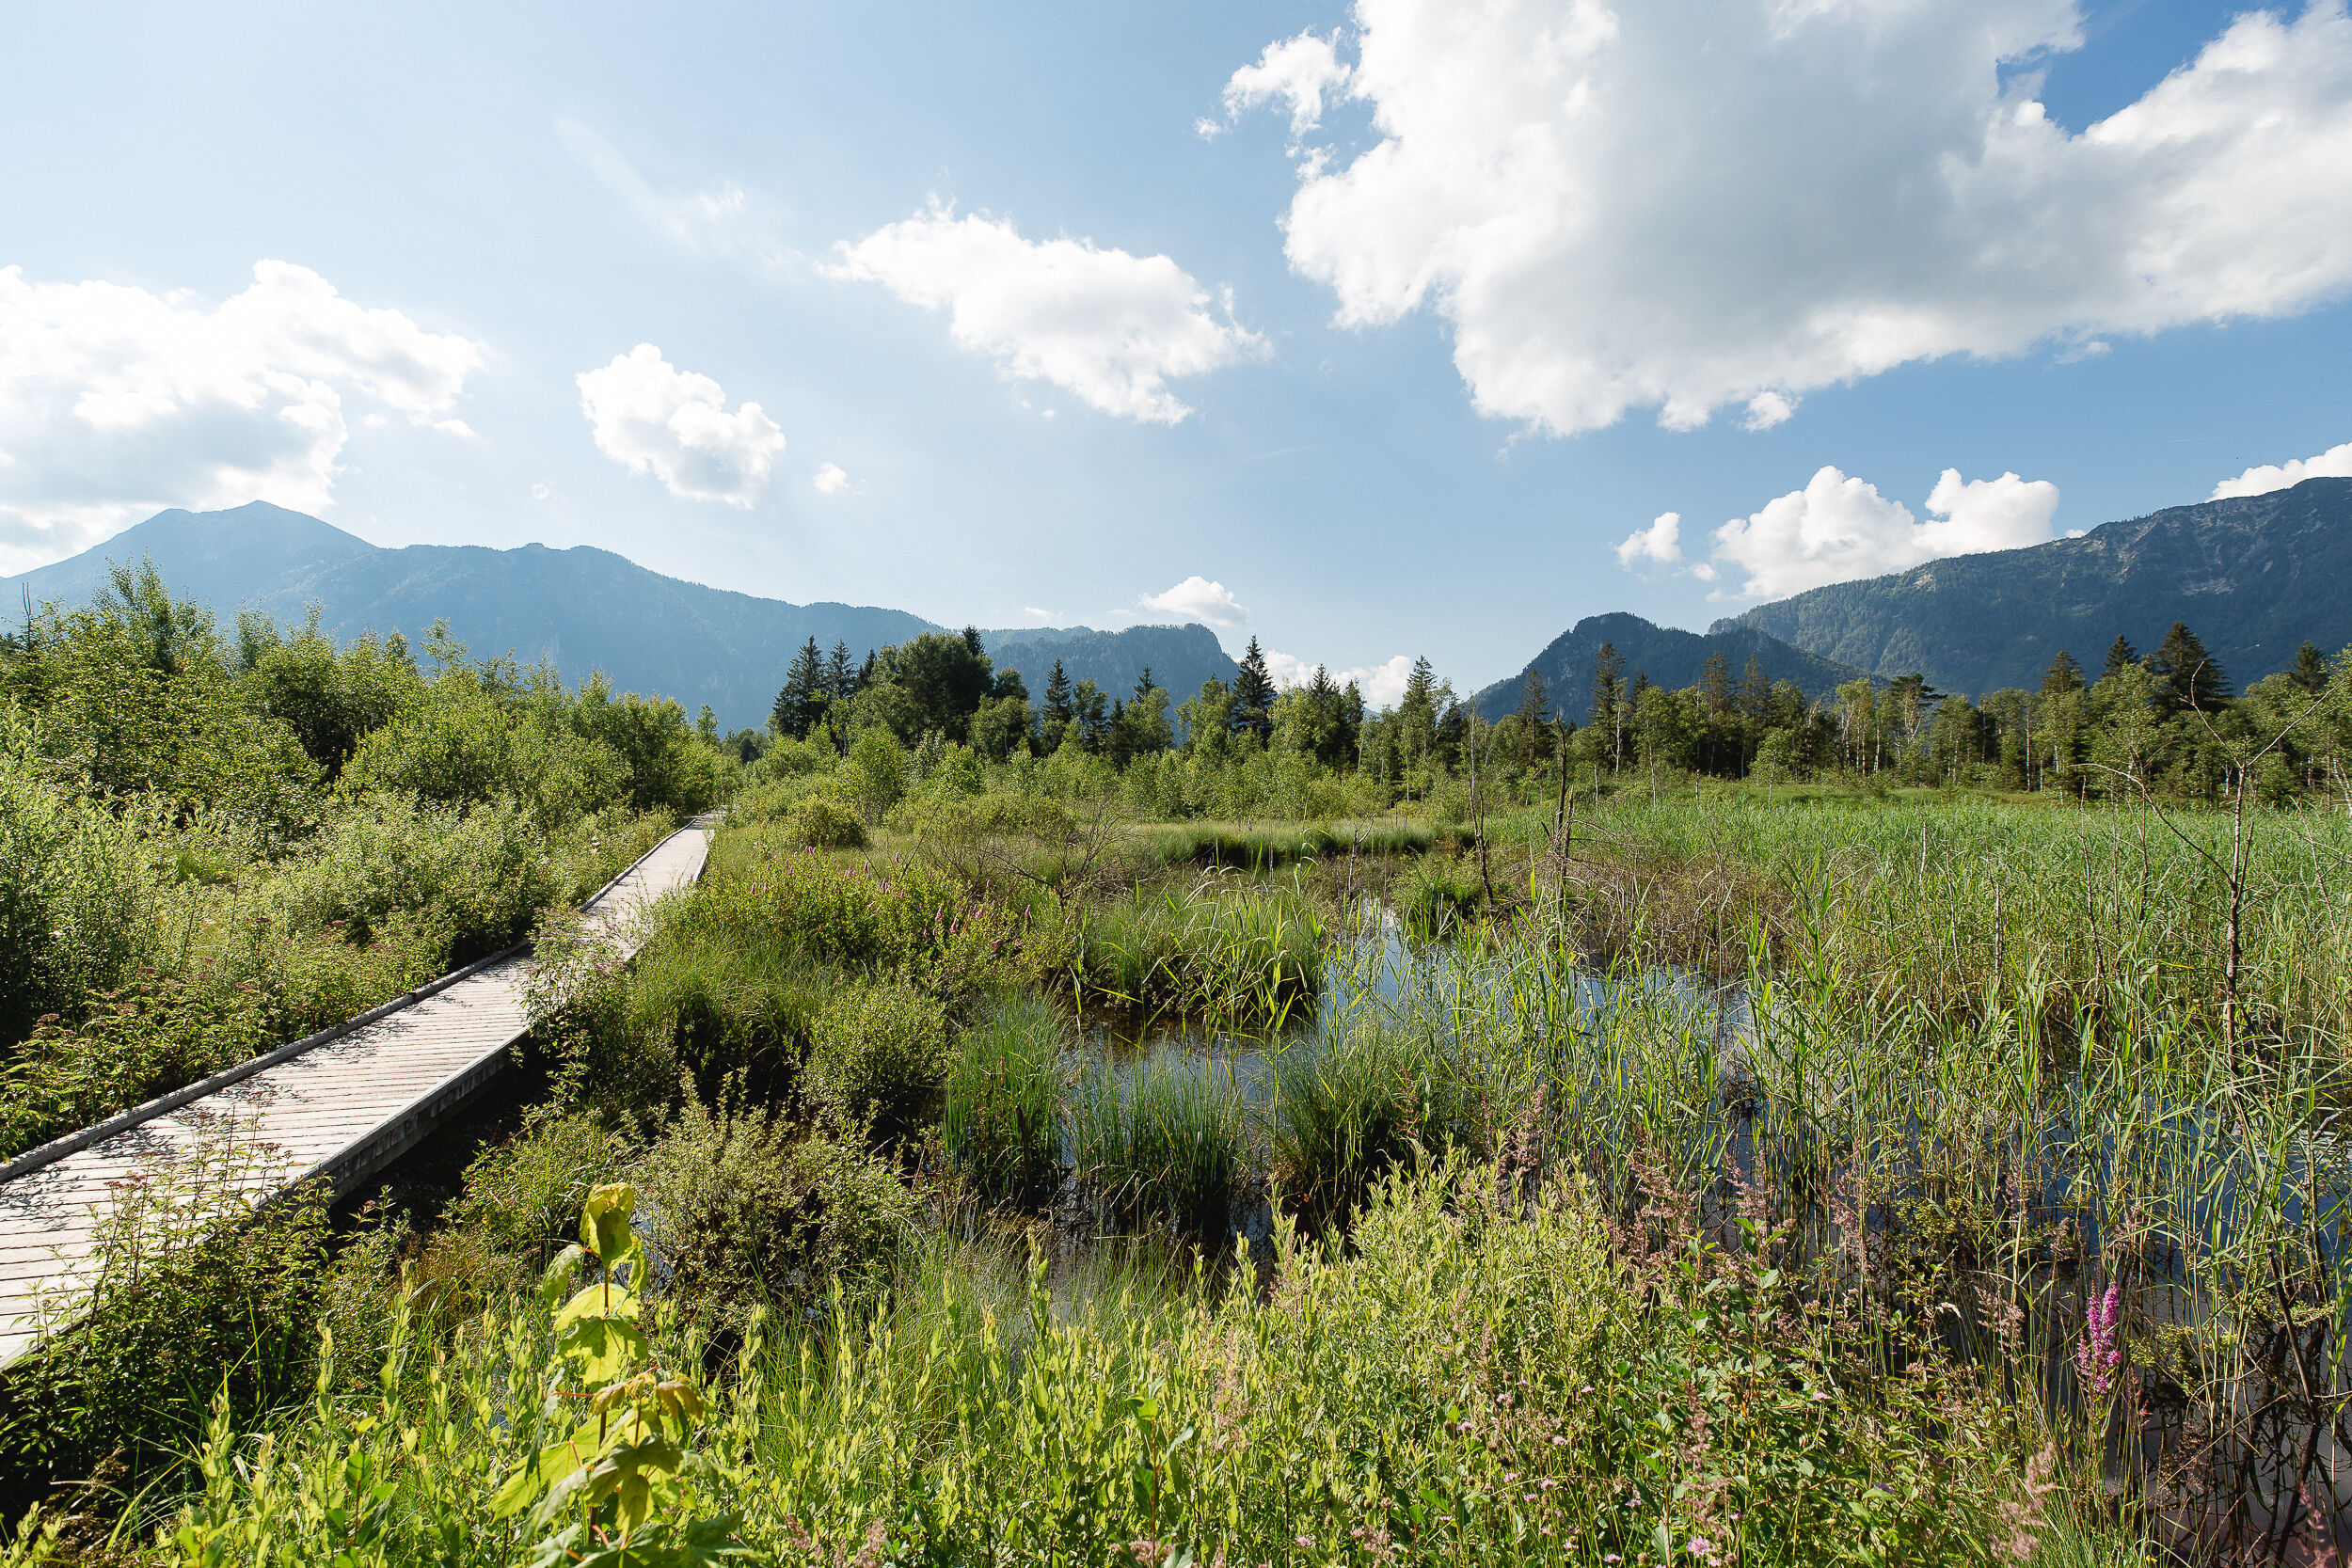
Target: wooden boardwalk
{"type": "Point", "coordinates": [341, 1104]}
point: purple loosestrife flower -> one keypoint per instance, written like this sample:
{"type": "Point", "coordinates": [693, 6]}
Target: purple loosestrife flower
{"type": "Point", "coordinates": [2100, 1353]}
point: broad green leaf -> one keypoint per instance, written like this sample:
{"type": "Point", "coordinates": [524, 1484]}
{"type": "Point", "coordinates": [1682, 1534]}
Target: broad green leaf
{"type": "Point", "coordinates": [597, 1301]}
{"type": "Point", "coordinates": [602, 1349]}
{"type": "Point", "coordinates": [604, 1222]}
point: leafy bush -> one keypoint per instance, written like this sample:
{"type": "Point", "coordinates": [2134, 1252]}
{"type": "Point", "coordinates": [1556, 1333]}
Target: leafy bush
{"type": "Point", "coordinates": [193, 1297]}
{"type": "Point", "coordinates": [479, 877]}
{"type": "Point", "coordinates": [75, 902]}
{"type": "Point", "coordinates": [147, 1040]}
{"type": "Point", "coordinates": [1002, 1115]}
{"type": "Point", "coordinates": [822, 822]}
{"type": "Point", "coordinates": [521, 1194]}
{"type": "Point", "coordinates": [878, 1054]}
{"type": "Point", "coordinates": [741, 1215]}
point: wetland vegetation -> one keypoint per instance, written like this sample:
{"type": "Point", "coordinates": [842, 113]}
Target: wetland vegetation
{"type": "Point", "coordinates": [1320, 1137]}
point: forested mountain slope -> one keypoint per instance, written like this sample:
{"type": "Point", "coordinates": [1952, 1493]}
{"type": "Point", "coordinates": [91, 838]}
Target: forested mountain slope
{"type": "Point", "coordinates": [1669, 655]}
{"type": "Point", "coordinates": [2254, 577]}
{"type": "Point", "coordinates": [584, 608]}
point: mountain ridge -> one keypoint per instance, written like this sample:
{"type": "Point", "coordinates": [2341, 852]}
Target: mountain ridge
{"type": "Point", "coordinates": [2254, 575]}
{"type": "Point", "coordinates": [1669, 655]}
{"type": "Point", "coordinates": [583, 608]}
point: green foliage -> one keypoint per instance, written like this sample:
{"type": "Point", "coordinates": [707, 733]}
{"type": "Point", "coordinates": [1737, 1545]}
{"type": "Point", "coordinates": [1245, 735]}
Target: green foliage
{"type": "Point", "coordinates": [606, 1490]}
{"type": "Point", "coordinates": [146, 1039]}
{"type": "Point", "coordinates": [877, 1056]}
{"type": "Point", "coordinates": [193, 1297]}
{"type": "Point", "coordinates": [1166, 1144]}
{"type": "Point", "coordinates": [750, 1216]}
{"type": "Point", "coordinates": [1246, 954]}
{"type": "Point", "coordinates": [74, 896]}
{"type": "Point", "coordinates": [1001, 1119]}
{"type": "Point", "coordinates": [822, 822]}
{"type": "Point", "coordinates": [873, 774]}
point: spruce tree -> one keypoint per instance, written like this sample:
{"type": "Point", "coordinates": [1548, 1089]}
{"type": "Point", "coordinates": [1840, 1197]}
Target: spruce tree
{"type": "Point", "coordinates": [1755, 693]}
{"type": "Point", "coordinates": [1054, 714]}
{"type": "Point", "coordinates": [2063, 675]}
{"type": "Point", "coordinates": [2121, 655]}
{"type": "Point", "coordinates": [1608, 709]}
{"type": "Point", "coordinates": [1143, 683]}
{"type": "Point", "coordinates": [972, 641]}
{"type": "Point", "coordinates": [2311, 669]}
{"type": "Point", "coordinates": [1715, 684]}
{"type": "Point", "coordinates": [1253, 695]}
{"type": "Point", "coordinates": [840, 675]}
{"type": "Point", "coordinates": [802, 701]}
{"type": "Point", "coordinates": [2187, 676]}
{"type": "Point", "coordinates": [1535, 701]}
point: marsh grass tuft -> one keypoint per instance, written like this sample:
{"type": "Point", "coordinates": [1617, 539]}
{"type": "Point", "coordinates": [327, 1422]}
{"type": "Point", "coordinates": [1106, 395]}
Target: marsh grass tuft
{"type": "Point", "coordinates": [1001, 1117]}
{"type": "Point", "coordinates": [1169, 1145]}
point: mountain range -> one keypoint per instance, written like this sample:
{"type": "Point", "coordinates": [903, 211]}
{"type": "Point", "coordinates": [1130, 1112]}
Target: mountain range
{"type": "Point", "coordinates": [2254, 577]}
{"type": "Point", "coordinates": [1669, 655]}
{"type": "Point", "coordinates": [582, 608]}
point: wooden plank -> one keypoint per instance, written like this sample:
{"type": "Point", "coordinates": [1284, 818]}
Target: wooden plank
{"type": "Point", "coordinates": [339, 1106]}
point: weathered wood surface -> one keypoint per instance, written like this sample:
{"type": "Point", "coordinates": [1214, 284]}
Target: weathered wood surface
{"type": "Point", "coordinates": [342, 1109]}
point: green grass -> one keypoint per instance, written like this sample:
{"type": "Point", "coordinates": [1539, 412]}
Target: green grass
{"type": "Point", "coordinates": [1169, 1143]}
{"type": "Point", "coordinates": [1001, 1120]}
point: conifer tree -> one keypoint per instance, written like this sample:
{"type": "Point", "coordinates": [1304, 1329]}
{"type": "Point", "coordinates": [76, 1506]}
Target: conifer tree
{"type": "Point", "coordinates": [1056, 712]}
{"type": "Point", "coordinates": [2311, 669]}
{"type": "Point", "coordinates": [2121, 655]}
{"type": "Point", "coordinates": [840, 675]}
{"type": "Point", "coordinates": [1608, 709]}
{"type": "Point", "coordinates": [1755, 693]}
{"type": "Point", "coordinates": [2063, 675]}
{"type": "Point", "coordinates": [972, 641]}
{"type": "Point", "coordinates": [1715, 684]}
{"type": "Point", "coordinates": [1253, 695]}
{"type": "Point", "coordinates": [2187, 676]}
{"type": "Point", "coordinates": [801, 704]}
{"type": "Point", "coordinates": [1535, 701]}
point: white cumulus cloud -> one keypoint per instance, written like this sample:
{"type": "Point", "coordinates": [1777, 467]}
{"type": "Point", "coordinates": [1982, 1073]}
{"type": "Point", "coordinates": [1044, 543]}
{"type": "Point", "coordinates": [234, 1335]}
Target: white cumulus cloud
{"type": "Point", "coordinates": [1727, 202]}
{"type": "Point", "coordinates": [1660, 543]}
{"type": "Point", "coordinates": [1110, 328]}
{"type": "Point", "coordinates": [1298, 71]}
{"type": "Point", "coordinates": [1383, 684]}
{"type": "Point", "coordinates": [830, 479]}
{"type": "Point", "coordinates": [2335, 463]}
{"type": "Point", "coordinates": [1837, 529]}
{"type": "Point", "coordinates": [650, 417]}
{"type": "Point", "coordinates": [116, 401]}
{"type": "Point", "coordinates": [1196, 598]}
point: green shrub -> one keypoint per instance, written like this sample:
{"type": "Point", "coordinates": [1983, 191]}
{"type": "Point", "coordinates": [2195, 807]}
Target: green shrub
{"type": "Point", "coordinates": [878, 1054]}
{"type": "Point", "coordinates": [480, 876]}
{"type": "Point", "coordinates": [147, 1040]}
{"type": "Point", "coordinates": [1002, 1115]}
{"type": "Point", "coordinates": [822, 822]}
{"type": "Point", "coordinates": [521, 1195]}
{"type": "Point", "coordinates": [874, 773]}
{"type": "Point", "coordinates": [75, 902]}
{"type": "Point", "coordinates": [195, 1296]}
{"type": "Point", "coordinates": [739, 1215]}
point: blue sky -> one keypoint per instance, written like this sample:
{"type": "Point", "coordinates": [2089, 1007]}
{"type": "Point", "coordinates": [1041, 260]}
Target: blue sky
{"type": "Point", "coordinates": [1426, 427]}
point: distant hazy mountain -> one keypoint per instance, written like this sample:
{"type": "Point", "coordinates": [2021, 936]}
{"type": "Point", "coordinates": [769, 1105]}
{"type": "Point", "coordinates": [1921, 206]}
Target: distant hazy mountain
{"type": "Point", "coordinates": [2253, 576]}
{"type": "Point", "coordinates": [1179, 657]}
{"type": "Point", "coordinates": [584, 608]}
{"type": "Point", "coordinates": [1668, 656]}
